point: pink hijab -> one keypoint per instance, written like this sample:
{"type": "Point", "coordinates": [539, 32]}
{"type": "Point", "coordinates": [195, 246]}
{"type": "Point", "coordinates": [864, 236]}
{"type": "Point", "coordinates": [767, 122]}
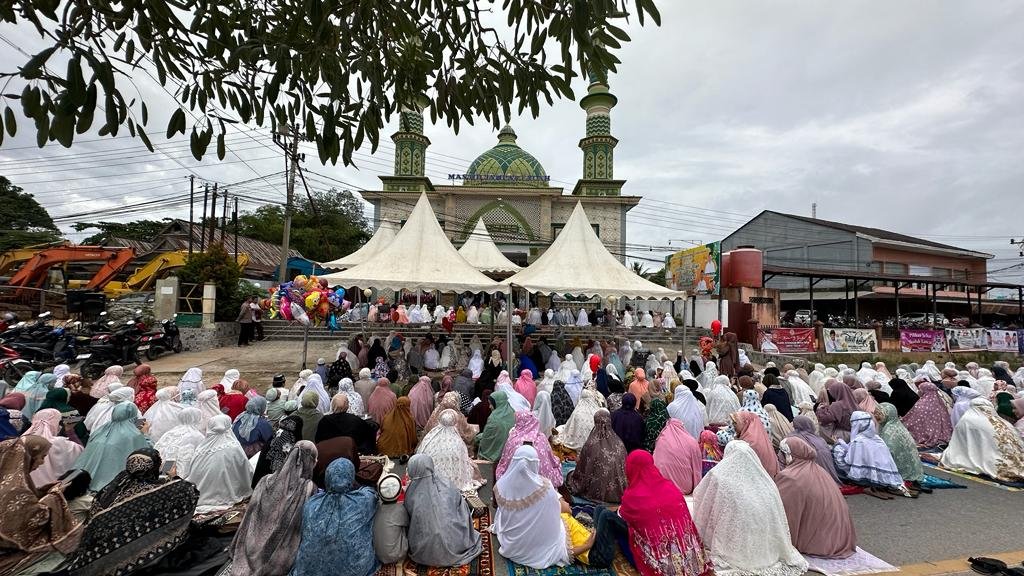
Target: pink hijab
{"type": "Point", "coordinates": [526, 386]}
{"type": "Point", "coordinates": [750, 429]}
{"type": "Point", "coordinates": [527, 429]}
{"type": "Point", "coordinates": [640, 385]}
{"type": "Point", "coordinates": [819, 519]}
{"type": "Point", "coordinates": [382, 401]}
{"type": "Point", "coordinates": [928, 421]}
{"type": "Point", "coordinates": [422, 397]}
{"type": "Point", "coordinates": [678, 456]}
{"type": "Point", "coordinates": [865, 400]}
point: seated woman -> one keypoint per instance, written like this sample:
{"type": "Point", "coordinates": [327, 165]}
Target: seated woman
{"type": "Point", "coordinates": [46, 424]}
{"type": "Point", "coordinates": [390, 523]}
{"type": "Point", "coordinates": [740, 515]}
{"type": "Point", "coordinates": [527, 431]}
{"type": "Point", "coordinates": [819, 519]}
{"type": "Point", "coordinates": [901, 444]}
{"type": "Point", "coordinates": [162, 415]}
{"type": "Point", "coordinates": [398, 431]}
{"type": "Point", "coordinates": [448, 452]}
{"type": "Point", "coordinates": [688, 410]}
{"type": "Point", "coordinates": [251, 428]}
{"type": "Point", "coordinates": [678, 456]}
{"type": "Point", "coordinates": [268, 537]}
{"type": "Point", "coordinates": [985, 444]}
{"type": "Point", "coordinates": [600, 473]}
{"type": "Point", "coordinates": [31, 523]}
{"type": "Point", "coordinates": [928, 419]}
{"type": "Point", "coordinates": [577, 429]}
{"type": "Point", "coordinates": [219, 468]}
{"type": "Point", "coordinates": [434, 508]}
{"type": "Point", "coordinates": [628, 424]}
{"type": "Point", "coordinates": [137, 519]}
{"type": "Point", "coordinates": [662, 535]}
{"type": "Point", "coordinates": [834, 417]}
{"type": "Point", "coordinates": [179, 444]}
{"type": "Point", "coordinates": [501, 419]}
{"type": "Point", "coordinates": [748, 429]}
{"type": "Point", "coordinates": [866, 460]}
{"type": "Point", "coordinates": [111, 444]}
{"type": "Point", "coordinates": [803, 427]}
{"type": "Point", "coordinates": [337, 528]}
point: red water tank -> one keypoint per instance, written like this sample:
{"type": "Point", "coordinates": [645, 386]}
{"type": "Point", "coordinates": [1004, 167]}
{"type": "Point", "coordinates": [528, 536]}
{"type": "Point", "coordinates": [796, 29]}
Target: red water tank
{"type": "Point", "coordinates": [745, 268]}
{"type": "Point", "coordinates": [724, 275]}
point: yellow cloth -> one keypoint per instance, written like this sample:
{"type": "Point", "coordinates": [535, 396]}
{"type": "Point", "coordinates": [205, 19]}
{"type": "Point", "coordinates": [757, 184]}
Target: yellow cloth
{"type": "Point", "coordinates": [578, 535]}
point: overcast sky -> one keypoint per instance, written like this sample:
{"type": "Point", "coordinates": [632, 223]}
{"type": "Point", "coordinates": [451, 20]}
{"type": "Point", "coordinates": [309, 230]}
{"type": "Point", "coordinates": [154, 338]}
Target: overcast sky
{"type": "Point", "coordinates": [900, 115]}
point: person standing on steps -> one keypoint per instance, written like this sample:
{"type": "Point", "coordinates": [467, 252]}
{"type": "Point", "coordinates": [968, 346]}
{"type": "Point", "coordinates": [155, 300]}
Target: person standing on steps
{"type": "Point", "coordinates": [257, 318]}
{"type": "Point", "coordinates": [245, 322]}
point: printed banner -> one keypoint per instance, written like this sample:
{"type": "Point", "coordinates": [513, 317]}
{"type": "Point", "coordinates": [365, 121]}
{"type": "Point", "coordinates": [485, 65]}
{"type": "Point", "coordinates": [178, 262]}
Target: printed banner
{"type": "Point", "coordinates": [966, 339]}
{"type": "Point", "coordinates": [1020, 342]}
{"type": "Point", "coordinates": [696, 270]}
{"type": "Point", "coordinates": [922, 341]}
{"type": "Point", "coordinates": [1004, 341]}
{"type": "Point", "coordinates": [850, 340]}
{"type": "Point", "coordinates": [786, 340]}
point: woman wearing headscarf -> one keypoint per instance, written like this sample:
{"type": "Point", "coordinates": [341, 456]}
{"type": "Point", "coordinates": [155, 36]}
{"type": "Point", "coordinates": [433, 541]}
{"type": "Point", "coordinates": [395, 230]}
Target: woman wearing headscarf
{"type": "Point", "coordinates": [162, 413]}
{"type": "Point", "coordinates": [100, 413]}
{"type": "Point", "coordinates": [30, 524]}
{"type": "Point", "coordinates": [220, 468]}
{"type": "Point", "coordinates": [640, 387]}
{"type": "Point", "coordinates": [962, 397]}
{"type": "Point", "coordinates": [449, 453]}
{"type": "Point", "coordinates": [277, 503]}
{"type": "Point", "coordinates": [834, 418]}
{"type": "Point", "coordinates": [777, 395]}
{"type": "Point", "coordinates": [525, 386]}
{"type": "Point", "coordinates": [654, 422]}
{"type": "Point", "coordinates": [337, 534]}
{"type": "Point", "coordinates": [275, 405]}
{"type": "Point", "coordinates": [678, 456]}
{"type": "Point", "coordinates": [751, 405]}
{"type": "Point", "coordinates": [62, 453]}
{"type": "Point", "coordinates": [527, 431]}
{"type": "Point", "coordinates": [481, 411]}
{"type": "Point", "coordinates": [929, 420]}
{"type": "Point", "coordinates": [80, 399]}
{"type": "Point", "coordinates": [579, 425]}
{"type": "Point", "coordinates": [901, 445]}
{"type": "Point", "coordinates": [463, 384]}
{"type": "Point", "coordinates": [685, 408]}
{"type": "Point", "coordinates": [234, 399]}
{"type": "Point", "coordinates": [492, 438]}
{"type": "Point", "coordinates": [209, 406]}
{"type": "Point", "coordinates": [803, 428]}
{"type": "Point", "coordinates": [722, 401]}
{"type": "Point", "coordinates": [179, 444]}
{"type": "Point", "coordinates": [33, 386]}
{"type": "Point", "coordinates": [866, 460]}
{"type": "Point", "coordinates": [376, 352]}
{"type": "Point", "coordinates": [476, 364]}
{"type": "Point", "coordinates": [985, 444]}
{"type": "Point", "coordinates": [902, 397]}
{"type": "Point", "coordinates": [137, 519]}
{"type": "Point", "coordinates": [740, 515]}
{"type": "Point", "coordinates": [780, 427]}
{"type": "Point", "coordinates": [728, 354]}
{"type": "Point", "coordinates": [818, 517]}
{"type": "Point", "coordinates": [600, 473]}
{"type": "Point", "coordinates": [381, 401]}
{"type": "Point", "coordinates": [398, 431]}
{"type": "Point", "coordinates": [355, 401]}
{"type": "Point", "coordinates": [528, 522]}
{"type": "Point", "coordinates": [629, 425]}
{"type": "Point", "coordinates": [1004, 405]}
{"type": "Point", "coordinates": [865, 401]}
{"type": "Point", "coordinates": [562, 405]}
{"type": "Point", "coordinates": [435, 507]}
{"type": "Point", "coordinates": [251, 428]}
{"type": "Point", "coordinates": [300, 383]}
{"type": "Point", "coordinates": [112, 375]}
{"type": "Point", "coordinates": [422, 401]}
{"type": "Point", "coordinates": [110, 444]}
{"type": "Point", "coordinates": [745, 425]}
{"type": "Point", "coordinates": [545, 416]}
{"type": "Point", "coordinates": [662, 536]}
{"type": "Point", "coordinates": [8, 429]}
{"type": "Point", "coordinates": [57, 399]}
{"type": "Point", "coordinates": [192, 380]}
{"type": "Point", "coordinates": [143, 381]}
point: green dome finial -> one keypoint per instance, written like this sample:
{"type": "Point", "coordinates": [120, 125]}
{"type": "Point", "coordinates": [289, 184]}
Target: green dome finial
{"type": "Point", "coordinates": [506, 165]}
{"type": "Point", "coordinates": [507, 135]}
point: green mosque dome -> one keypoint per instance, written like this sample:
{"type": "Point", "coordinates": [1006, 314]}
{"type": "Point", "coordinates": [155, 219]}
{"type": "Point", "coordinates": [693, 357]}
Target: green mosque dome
{"type": "Point", "coordinates": [506, 165]}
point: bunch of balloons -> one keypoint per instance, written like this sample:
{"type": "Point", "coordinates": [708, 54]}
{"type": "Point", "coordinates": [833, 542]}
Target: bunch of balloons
{"type": "Point", "coordinates": [308, 300]}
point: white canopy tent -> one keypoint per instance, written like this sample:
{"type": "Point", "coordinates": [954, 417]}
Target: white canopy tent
{"type": "Point", "coordinates": [578, 263]}
{"type": "Point", "coordinates": [419, 258]}
{"type": "Point", "coordinates": [385, 233]}
{"type": "Point", "coordinates": [480, 251]}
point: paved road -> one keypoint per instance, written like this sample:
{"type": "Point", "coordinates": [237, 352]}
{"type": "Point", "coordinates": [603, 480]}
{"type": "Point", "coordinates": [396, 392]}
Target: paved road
{"type": "Point", "coordinates": [922, 534]}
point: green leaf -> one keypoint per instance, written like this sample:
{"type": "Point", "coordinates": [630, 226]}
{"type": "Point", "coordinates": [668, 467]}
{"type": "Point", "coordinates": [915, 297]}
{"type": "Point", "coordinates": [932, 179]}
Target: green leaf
{"type": "Point", "coordinates": [145, 138]}
{"type": "Point", "coordinates": [221, 146]}
{"type": "Point", "coordinates": [88, 110]}
{"type": "Point", "coordinates": [33, 68]}
{"type": "Point", "coordinates": [145, 114]}
{"type": "Point", "coordinates": [10, 122]}
{"type": "Point", "coordinates": [176, 123]}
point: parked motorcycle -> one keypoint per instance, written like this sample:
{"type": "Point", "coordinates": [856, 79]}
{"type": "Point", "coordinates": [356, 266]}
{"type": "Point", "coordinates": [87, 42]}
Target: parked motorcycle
{"type": "Point", "coordinates": [121, 347]}
{"type": "Point", "coordinates": [168, 338]}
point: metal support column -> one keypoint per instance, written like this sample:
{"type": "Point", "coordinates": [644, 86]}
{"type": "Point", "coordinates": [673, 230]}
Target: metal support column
{"type": "Point", "coordinates": [897, 291]}
{"type": "Point", "coordinates": [856, 304]}
{"type": "Point", "coordinates": [1020, 306]}
{"type": "Point", "coordinates": [846, 302]}
{"type": "Point", "coordinates": [935, 301]}
{"type": "Point", "coordinates": [970, 308]}
{"type": "Point", "coordinates": [810, 291]}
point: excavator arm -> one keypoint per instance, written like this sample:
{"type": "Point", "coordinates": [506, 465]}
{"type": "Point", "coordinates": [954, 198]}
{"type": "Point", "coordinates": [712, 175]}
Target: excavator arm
{"type": "Point", "coordinates": [145, 277]}
{"type": "Point", "coordinates": [114, 264]}
{"type": "Point", "coordinates": [33, 273]}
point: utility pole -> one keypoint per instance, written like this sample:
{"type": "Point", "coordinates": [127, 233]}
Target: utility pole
{"type": "Point", "coordinates": [288, 140]}
{"type": "Point", "coordinates": [213, 216]}
{"type": "Point", "coordinates": [191, 209]}
{"type": "Point", "coordinates": [1015, 242]}
{"type": "Point", "coordinates": [202, 221]}
{"type": "Point", "coordinates": [224, 217]}
{"type": "Point", "coordinates": [234, 217]}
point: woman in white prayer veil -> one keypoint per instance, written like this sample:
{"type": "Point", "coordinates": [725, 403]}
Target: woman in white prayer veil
{"type": "Point", "coordinates": [102, 412]}
{"type": "Point", "coordinates": [668, 321]}
{"type": "Point", "coordinates": [476, 363]}
{"type": "Point", "coordinates": [984, 443]}
{"type": "Point", "coordinates": [451, 457]}
{"type": "Point", "coordinates": [163, 414]}
{"type": "Point", "coordinates": [652, 365]}
{"type": "Point", "coordinates": [965, 375]}
{"type": "Point", "coordinates": [542, 411]}
{"type": "Point", "coordinates": [547, 382]}
{"type": "Point", "coordinates": [581, 318]}
{"type": "Point", "coordinates": [439, 314]}
{"type": "Point", "coordinates": [219, 468]}
{"type": "Point", "coordinates": [586, 374]}
{"type": "Point", "coordinates": [554, 362]}
{"type": "Point", "coordinates": [984, 383]}
{"type": "Point", "coordinates": [574, 433]}
{"type": "Point", "coordinates": [744, 359]}
{"type": "Point", "coordinates": [625, 353]}
{"type": "Point", "coordinates": [647, 321]}
{"type": "Point", "coordinates": [816, 381]}
{"type": "Point", "coordinates": [740, 516]}
{"type": "Point", "coordinates": [565, 368]}
{"type": "Point", "coordinates": [447, 357]}
{"type": "Point", "coordinates": [577, 357]}
{"type": "Point", "coordinates": [722, 401]}
{"type": "Point", "coordinates": [627, 319]}
{"type": "Point", "coordinates": [933, 371]}
{"type": "Point", "coordinates": [179, 444]}
{"type": "Point", "coordinates": [415, 314]}
{"type": "Point", "coordinates": [208, 406]}
{"type": "Point", "coordinates": [799, 391]}
{"type": "Point", "coordinates": [473, 316]}
{"type": "Point", "coordinates": [707, 377]}
{"type": "Point", "coordinates": [866, 373]}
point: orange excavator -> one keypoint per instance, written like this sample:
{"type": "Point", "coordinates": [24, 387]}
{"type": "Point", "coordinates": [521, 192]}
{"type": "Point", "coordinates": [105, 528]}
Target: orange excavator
{"type": "Point", "coordinates": [34, 272]}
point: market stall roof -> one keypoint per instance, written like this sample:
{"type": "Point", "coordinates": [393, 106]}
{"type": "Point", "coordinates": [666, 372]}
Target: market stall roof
{"type": "Point", "coordinates": [382, 237]}
{"type": "Point", "coordinates": [419, 258]}
{"type": "Point", "coordinates": [480, 251]}
{"type": "Point", "coordinates": [578, 264]}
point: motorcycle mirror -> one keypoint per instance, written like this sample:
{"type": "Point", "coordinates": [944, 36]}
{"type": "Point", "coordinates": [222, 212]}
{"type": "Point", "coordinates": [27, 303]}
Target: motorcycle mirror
{"type": "Point", "coordinates": [129, 322]}
{"type": "Point", "coordinates": [104, 313]}
{"type": "Point", "coordinates": [111, 323]}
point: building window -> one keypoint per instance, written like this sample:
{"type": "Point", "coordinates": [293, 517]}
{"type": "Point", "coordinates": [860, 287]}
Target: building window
{"type": "Point", "coordinates": [556, 228]}
{"type": "Point", "coordinates": [919, 270]}
{"type": "Point", "coordinates": [960, 275]}
{"type": "Point", "coordinates": [942, 272]}
{"type": "Point", "coordinates": [897, 268]}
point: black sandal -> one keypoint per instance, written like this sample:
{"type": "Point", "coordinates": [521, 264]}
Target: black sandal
{"type": "Point", "coordinates": [983, 565]}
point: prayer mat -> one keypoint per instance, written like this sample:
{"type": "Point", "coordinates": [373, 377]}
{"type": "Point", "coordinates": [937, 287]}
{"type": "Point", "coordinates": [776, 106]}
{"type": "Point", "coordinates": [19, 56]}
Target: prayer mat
{"type": "Point", "coordinates": [482, 565]}
{"type": "Point", "coordinates": [936, 483]}
{"type": "Point", "coordinates": [860, 563]}
{"type": "Point", "coordinates": [851, 490]}
{"type": "Point", "coordinates": [567, 467]}
{"type": "Point", "coordinates": [574, 569]}
{"type": "Point", "coordinates": [1008, 486]}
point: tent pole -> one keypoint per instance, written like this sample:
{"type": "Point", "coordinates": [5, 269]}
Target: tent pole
{"type": "Point", "coordinates": [684, 330]}
{"type": "Point", "coordinates": [508, 330]}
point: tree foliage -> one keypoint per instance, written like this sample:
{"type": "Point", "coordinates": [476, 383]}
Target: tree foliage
{"type": "Point", "coordinates": [329, 227]}
{"type": "Point", "coordinates": [337, 69]}
{"type": "Point", "coordinates": [135, 230]}
{"type": "Point", "coordinates": [23, 221]}
{"type": "Point", "coordinates": [217, 266]}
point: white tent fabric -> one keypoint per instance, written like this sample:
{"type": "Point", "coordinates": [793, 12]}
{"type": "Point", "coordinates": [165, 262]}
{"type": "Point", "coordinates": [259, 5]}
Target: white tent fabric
{"type": "Point", "coordinates": [419, 258]}
{"type": "Point", "coordinates": [577, 263]}
{"type": "Point", "coordinates": [385, 233]}
{"type": "Point", "coordinates": [480, 251]}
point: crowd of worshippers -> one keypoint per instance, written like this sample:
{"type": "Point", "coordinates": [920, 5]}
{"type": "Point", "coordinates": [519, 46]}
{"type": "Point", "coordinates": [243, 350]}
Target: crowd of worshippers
{"type": "Point", "coordinates": [470, 313]}
{"type": "Point", "coordinates": [595, 447]}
